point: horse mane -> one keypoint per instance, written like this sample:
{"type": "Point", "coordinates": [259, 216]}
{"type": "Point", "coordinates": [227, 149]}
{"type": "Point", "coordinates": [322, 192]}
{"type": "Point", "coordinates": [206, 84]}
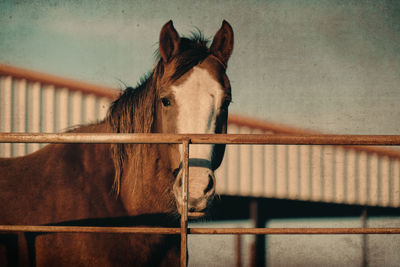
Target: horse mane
{"type": "Point", "coordinates": [135, 110]}
{"type": "Point", "coordinates": [132, 112]}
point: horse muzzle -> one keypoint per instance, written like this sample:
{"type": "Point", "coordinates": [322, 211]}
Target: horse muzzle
{"type": "Point", "coordinates": [201, 190]}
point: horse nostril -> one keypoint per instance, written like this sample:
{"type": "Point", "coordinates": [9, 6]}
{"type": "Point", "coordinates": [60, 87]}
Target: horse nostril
{"type": "Point", "coordinates": [210, 184]}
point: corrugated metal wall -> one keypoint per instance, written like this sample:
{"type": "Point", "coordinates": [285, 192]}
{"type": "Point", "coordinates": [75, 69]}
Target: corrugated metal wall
{"type": "Point", "coordinates": [314, 173]}
{"type": "Point", "coordinates": [27, 106]}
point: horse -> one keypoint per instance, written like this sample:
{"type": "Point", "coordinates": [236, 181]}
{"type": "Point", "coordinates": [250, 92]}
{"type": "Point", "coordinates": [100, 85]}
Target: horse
{"type": "Point", "coordinates": [188, 91]}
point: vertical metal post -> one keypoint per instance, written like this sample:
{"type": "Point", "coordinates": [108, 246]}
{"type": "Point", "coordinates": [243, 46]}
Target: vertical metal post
{"type": "Point", "coordinates": [364, 218]}
{"type": "Point", "coordinates": [184, 206]}
{"type": "Point", "coordinates": [238, 249]}
{"type": "Point", "coordinates": [259, 219]}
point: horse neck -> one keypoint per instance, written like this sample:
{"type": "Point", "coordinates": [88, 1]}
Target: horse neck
{"type": "Point", "coordinates": [98, 168]}
{"type": "Point", "coordinates": [94, 156]}
{"type": "Point", "coordinates": [146, 185]}
{"type": "Point", "coordinates": [64, 181]}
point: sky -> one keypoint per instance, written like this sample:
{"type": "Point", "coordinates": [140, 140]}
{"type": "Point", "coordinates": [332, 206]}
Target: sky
{"type": "Point", "coordinates": [330, 66]}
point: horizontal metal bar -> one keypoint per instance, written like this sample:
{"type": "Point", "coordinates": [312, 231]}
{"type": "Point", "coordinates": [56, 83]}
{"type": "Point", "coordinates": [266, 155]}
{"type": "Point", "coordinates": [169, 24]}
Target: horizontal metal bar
{"type": "Point", "coordinates": [197, 231]}
{"type": "Point", "coordinates": [296, 139]}
{"type": "Point", "coordinates": [89, 229]}
{"type": "Point", "coordinates": [200, 138]}
{"type": "Point", "coordinates": [291, 231]}
{"type": "Point", "coordinates": [94, 138]}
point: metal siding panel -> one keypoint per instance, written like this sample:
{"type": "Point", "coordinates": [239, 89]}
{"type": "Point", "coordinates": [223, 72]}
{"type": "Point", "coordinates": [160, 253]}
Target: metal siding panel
{"type": "Point", "coordinates": [90, 109]}
{"type": "Point", "coordinates": [363, 181]}
{"type": "Point", "coordinates": [384, 182]}
{"type": "Point", "coordinates": [396, 183]}
{"type": "Point", "coordinates": [103, 104]}
{"type": "Point", "coordinates": [327, 173]}
{"type": "Point", "coordinates": [5, 112]}
{"type": "Point", "coordinates": [340, 175]}
{"type": "Point", "coordinates": [269, 171]}
{"type": "Point", "coordinates": [19, 114]}
{"type": "Point", "coordinates": [356, 178]}
{"type": "Point", "coordinates": [316, 188]}
{"type": "Point", "coordinates": [257, 168]}
{"type": "Point", "coordinates": [305, 179]}
{"type": "Point", "coordinates": [281, 172]}
{"type": "Point", "coordinates": [75, 108]}
{"type": "Point", "coordinates": [47, 110]}
{"type": "Point", "coordinates": [47, 124]}
{"type": "Point", "coordinates": [234, 166]}
{"type": "Point", "coordinates": [61, 110]}
{"type": "Point", "coordinates": [350, 195]}
{"type": "Point", "coordinates": [33, 112]}
{"type": "Point", "coordinates": [294, 172]}
{"type": "Point", "coordinates": [373, 180]}
{"type": "Point", "coordinates": [245, 161]}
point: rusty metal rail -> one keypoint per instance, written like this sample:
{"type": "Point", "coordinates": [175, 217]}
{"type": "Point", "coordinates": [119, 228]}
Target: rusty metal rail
{"type": "Point", "coordinates": [267, 139]}
{"type": "Point", "coordinates": [198, 231]}
{"type": "Point", "coordinates": [292, 231]}
{"type": "Point", "coordinates": [186, 140]}
{"type": "Point", "coordinates": [89, 229]}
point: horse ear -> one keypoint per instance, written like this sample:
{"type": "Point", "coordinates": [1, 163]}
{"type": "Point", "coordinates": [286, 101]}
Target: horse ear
{"type": "Point", "coordinates": [222, 45]}
{"type": "Point", "coordinates": [169, 41]}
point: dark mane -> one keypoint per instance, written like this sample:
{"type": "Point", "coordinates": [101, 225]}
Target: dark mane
{"type": "Point", "coordinates": [134, 111]}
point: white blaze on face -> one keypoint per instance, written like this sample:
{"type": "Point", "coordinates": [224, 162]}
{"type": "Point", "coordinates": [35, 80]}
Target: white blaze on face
{"type": "Point", "coordinates": [198, 99]}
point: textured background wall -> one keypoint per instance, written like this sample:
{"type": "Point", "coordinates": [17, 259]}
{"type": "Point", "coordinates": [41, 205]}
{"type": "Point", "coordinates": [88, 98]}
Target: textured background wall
{"type": "Point", "coordinates": [326, 65]}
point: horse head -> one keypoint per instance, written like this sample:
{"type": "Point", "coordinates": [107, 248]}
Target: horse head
{"type": "Point", "coordinates": [192, 98]}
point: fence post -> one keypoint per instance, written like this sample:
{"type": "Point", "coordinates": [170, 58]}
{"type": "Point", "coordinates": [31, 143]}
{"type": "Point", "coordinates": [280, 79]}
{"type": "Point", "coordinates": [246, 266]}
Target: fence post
{"type": "Point", "coordinates": [184, 207]}
{"type": "Point", "coordinates": [259, 246]}
{"type": "Point", "coordinates": [365, 252]}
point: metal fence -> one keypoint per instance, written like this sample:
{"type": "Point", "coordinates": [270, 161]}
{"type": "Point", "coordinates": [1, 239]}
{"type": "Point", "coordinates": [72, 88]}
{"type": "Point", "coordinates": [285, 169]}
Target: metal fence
{"type": "Point", "coordinates": [186, 140]}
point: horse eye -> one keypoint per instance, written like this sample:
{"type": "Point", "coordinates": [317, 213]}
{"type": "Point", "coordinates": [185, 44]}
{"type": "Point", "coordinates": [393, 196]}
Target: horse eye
{"type": "Point", "coordinates": [166, 102]}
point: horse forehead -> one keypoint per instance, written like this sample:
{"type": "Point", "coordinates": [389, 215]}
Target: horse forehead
{"type": "Point", "coordinates": [198, 83]}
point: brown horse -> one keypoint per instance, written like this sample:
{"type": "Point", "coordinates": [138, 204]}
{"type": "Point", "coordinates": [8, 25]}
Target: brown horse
{"type": "Point", "coordinates": [124, 184]}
